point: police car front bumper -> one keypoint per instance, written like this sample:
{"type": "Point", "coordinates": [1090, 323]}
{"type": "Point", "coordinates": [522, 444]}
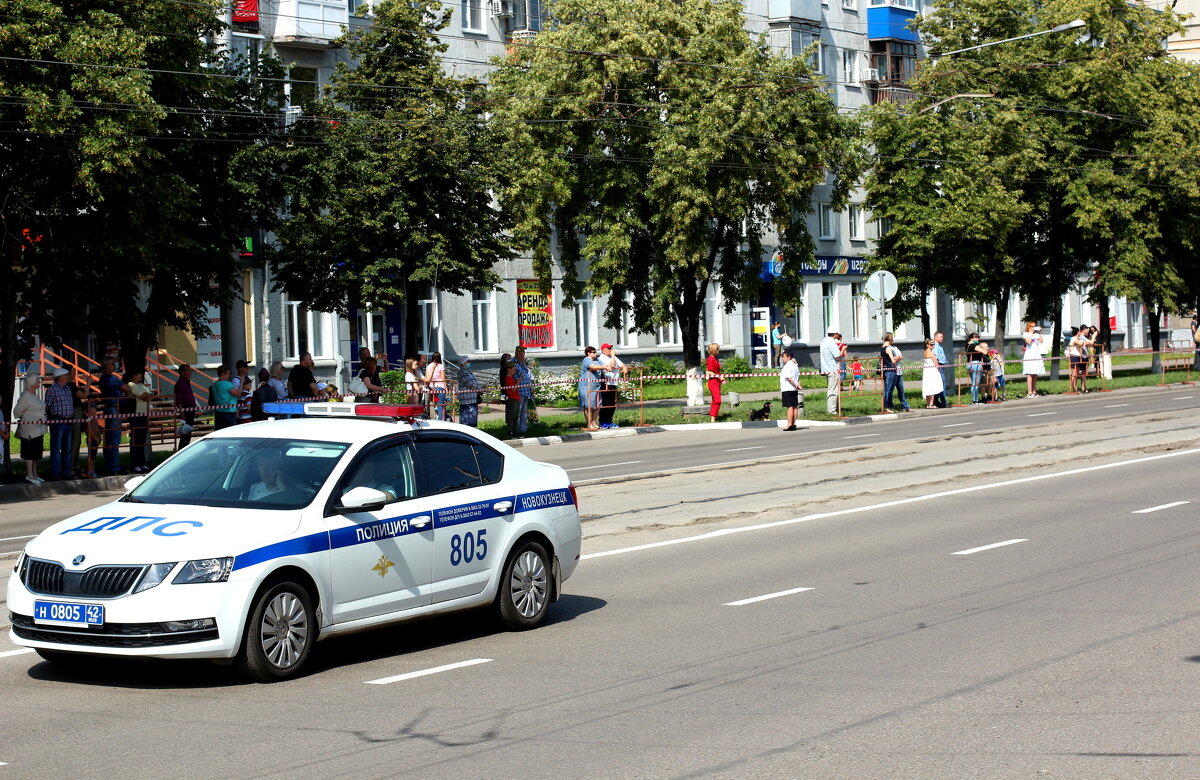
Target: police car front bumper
{"type": "Point", "coordinates": [167, 621]}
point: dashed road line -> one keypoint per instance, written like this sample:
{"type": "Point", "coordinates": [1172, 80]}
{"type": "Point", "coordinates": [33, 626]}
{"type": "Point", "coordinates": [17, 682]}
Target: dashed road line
{"type": "Point", "coordinates": [1148, 510]}
{"type": "Point", "coordinates": [860, 436]}
{"type": "Point", "coordinates": [15, 538]}
{"type": "Point", "coordinates": [955, 425]}
{"type": "Point", "coordinates": [739, 449]}
{"type": "Point", "coordinates": [754, 599]}
{"type": "Point", "coordinates": [1115, 406]}
{"type": "Point", "coordinates": [606, 465]}
{"type": "Point", "coordinates": [425, 672]}
{"type": "Point", "coordinates": [989, 547]}
{"type": "Point", "coordinates": [1040, 414]}
{"type": "Point", "coordinates": [22, 651]}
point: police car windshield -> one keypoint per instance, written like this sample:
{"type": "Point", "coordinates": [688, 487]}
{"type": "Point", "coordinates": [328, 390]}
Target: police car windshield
{"type": "Point", "coordinates": [247, 473]}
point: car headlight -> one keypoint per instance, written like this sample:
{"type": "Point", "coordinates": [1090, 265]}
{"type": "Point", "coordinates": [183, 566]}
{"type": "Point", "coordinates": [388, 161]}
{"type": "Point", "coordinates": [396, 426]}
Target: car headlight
{"type": "Point", "coordinates": [205, 570]}
{"type": "Point", "coordinates": [154, 575]}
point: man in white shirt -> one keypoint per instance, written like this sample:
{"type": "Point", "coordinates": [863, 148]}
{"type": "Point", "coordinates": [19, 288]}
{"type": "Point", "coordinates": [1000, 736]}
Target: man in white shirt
{"type": "Point", "coordinates": [613, 370]}
{"type": "Point", "coordinates": [831, 355]}
{"type": "Point", "coordinates": [789, 388]}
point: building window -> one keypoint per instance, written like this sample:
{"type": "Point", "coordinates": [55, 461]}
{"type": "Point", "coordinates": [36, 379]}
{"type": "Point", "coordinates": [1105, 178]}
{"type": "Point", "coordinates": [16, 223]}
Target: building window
{"type": "Point", "coordinates": [628, 337]}
{"type": "Point", "coordinates": [429, 337]}
{"type": "Point", "coordinates": [882, 226]}
{"type": "Point", "coordinates": [858, 223]}
{"type": "Point", "coordinates": [472, 16]}
{"type": "Point", "coordinates": [586, 331]}
{"type": "Point", "coordinates": [483, 321]}
{"type": "Point", "coordinates": [826, 217]}
{"type": "Point", "coordinates": [896, 61]}
{"type": "Point", "coordinates": [829, 313]}
{"type": "Point", "coordinates": [302, 86]}
{"type": "Point", "coordinates": [308, 331]}
{"type": "Point", "coordinates": [247, 48]}
{"type": "Point", "coordinates": [526, 18]}
{"type": "Point", "coordinates": [710, 324]}
{"type": "Point", "coordinates": [795, 39]}
{"type": "Point", "coordinates": [669, 336]}
{"type": "Point", "coordinates": [862, 311]}
{"type": "Point", "coordinates": [371, 332]}
{"type": "Point", "coordinates": [850, 5]}
{"type": "Point", "coordinates": [354, 5]}
{"type": "Point", "coordinates": [850, 67]}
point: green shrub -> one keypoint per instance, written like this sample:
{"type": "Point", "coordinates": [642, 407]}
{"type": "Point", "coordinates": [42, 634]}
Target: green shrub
{"type": "Point", "coordinates": [658, 365]}
{"type": "Point", "coordinates": [736, 364]}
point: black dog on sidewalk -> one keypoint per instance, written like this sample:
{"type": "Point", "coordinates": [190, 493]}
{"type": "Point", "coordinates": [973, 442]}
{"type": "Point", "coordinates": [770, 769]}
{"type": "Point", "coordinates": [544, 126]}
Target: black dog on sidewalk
{"type": "Point", "coordinates": [762, 414]}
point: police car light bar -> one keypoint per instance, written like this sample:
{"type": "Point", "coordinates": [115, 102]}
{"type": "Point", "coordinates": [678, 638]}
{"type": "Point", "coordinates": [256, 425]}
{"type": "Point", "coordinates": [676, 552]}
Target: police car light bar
{"type": "Point", "coordinates": [394, 411]}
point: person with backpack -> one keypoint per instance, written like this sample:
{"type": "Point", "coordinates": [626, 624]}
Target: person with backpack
{"type": "Point", "coordinates": [265, 393]}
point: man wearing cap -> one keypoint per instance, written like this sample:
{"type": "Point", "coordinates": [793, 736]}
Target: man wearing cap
{"type": "Point", "coordinates": [524, 379]}
{"type": "Point", "coordinates": [789, 388]}
{"type": "Point", "coordinates": [614, 369]}
{"type": "Point", "coordinates": [60, 402]}
{"type": "Point", "coordinates": [831, 355]}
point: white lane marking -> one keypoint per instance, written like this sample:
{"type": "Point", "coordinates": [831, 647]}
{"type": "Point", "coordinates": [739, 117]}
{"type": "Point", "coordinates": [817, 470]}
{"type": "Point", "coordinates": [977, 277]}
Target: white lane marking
{"type": "Point", "coordinates": [15, 538]}
{"type": "Point", "coordinates": [1114, 406]}
{"type": "Point", "coordinates": [886, 504]}
{"type": "Point", "coordinates": [861, 436]}
{"type": "Point", "coordinates": [989, 547]}
{"type": "Point", "coordinates": [22, 651]}
{"type": "Point", "coordinates": [768, 596]}
{"type": "Point", "coordinates": [1040, 414]}
{"type": "Point", "coordinates": [1148, 510]}
{"type": "Point", "coordinates": [606, 465]}
{"type": "Point", "coordinates": [1183, 397]}
{"type": "Point", "coordinates": [955, 425]}
{"type": "Point", "coordinates": [739, 449]}
{"type": "Point", "coordinates": [424, 672]}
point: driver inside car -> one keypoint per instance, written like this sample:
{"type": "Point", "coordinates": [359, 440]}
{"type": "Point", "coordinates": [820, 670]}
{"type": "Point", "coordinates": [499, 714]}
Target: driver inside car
{"type": "Point", "coordinates": [271, 478]}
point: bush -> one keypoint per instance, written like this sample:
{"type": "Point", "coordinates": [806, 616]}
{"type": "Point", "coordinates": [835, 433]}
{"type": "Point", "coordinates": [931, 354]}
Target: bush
{"type": "Point", "coordinates": [736, 364]}
{"type": "Point", "coordinates": [658, 365]}
{"type": "Point", "coordinates": [563, 389]}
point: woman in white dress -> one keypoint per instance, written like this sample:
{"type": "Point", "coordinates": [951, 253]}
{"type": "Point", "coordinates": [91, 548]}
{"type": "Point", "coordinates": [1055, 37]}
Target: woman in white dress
{"type": "Point", "coordinates": [1033, 365]}
{"type": "Point", "coordinates": [931, 376]}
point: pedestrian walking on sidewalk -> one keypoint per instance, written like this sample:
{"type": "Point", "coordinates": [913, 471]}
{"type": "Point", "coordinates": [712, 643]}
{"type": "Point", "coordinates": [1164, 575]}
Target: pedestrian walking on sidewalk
{"type": "Point", "coordinates": [789, 389]}
{"type": "Point", "coordinates": [831, 356]}
{"type": "Point", "coordinates": [712, 376]}
{"type": "Point", "coordinates": [30, 414]}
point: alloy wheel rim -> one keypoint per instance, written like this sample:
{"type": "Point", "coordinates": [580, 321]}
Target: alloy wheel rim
{"type": "Point", "coordinates": [529, 584]}
{"type": "Point", "coordinates": [284, 630]}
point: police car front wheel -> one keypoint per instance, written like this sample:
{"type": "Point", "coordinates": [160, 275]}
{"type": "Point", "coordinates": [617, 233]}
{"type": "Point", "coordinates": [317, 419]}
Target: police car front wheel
{"type": "Point", "coordinates": [524, 593]}
{"type": "Point", "coordinates": [279, 633]}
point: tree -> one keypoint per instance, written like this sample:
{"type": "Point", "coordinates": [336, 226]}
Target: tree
{"type": "Point", "coordinates": [118, 209]}
{"type": "Point", "coordinates": [660, 144]}
{"type": "Point", "coordinates": [390, 175]}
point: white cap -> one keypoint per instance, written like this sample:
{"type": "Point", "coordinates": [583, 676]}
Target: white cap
{"type": "Point", "coordinates": [322, 385]}
{"type": "Point", "coordinates": [60, 372]}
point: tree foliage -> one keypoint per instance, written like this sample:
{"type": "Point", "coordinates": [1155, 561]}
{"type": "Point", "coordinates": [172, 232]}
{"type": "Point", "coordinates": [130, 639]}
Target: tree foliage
{"type": "Point", "coordinates": [659, 144]}
{"type": "Point", "coordinates": [1076, 162]}
{"type": "Point", "coordinates": [389, 176]}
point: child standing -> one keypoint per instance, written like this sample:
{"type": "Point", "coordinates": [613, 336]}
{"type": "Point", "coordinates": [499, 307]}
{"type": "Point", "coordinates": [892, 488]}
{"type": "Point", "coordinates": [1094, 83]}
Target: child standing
{"type": "Point", "coordinates": [856, 369]}
{"type": "Point", "coordinates": [998, 373]}
{"type": "Point", "coordinates": [92, 431]}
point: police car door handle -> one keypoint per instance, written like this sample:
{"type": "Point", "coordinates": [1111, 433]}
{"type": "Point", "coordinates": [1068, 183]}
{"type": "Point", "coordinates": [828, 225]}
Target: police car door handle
{"type": "Point", "coordinates": [502, 506]}
{"type": "Point", "coordinates": [420, 521]}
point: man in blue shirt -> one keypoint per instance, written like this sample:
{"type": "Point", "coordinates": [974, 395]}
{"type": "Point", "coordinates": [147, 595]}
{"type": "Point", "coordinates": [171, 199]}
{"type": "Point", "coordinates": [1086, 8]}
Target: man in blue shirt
{"type": "Point", "coordinates": [831, 356]}
{"type": "Point", "coordinates": [60, 405]}
{"type": "Point", "coordinates": [111, 393]}
{"type": "Point", "coordinates": [939, 354]}
{"type": "Point", "coordinates": [524, 379]}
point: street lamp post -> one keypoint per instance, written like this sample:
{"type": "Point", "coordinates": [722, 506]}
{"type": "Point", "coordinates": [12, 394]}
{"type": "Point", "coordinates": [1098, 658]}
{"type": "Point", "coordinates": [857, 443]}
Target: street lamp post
{"type": "Point", "coordinates": [1074, 24]}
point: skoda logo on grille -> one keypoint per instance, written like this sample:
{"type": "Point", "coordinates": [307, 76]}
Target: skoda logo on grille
{"type": "Point", "coordinates": [78, 559]}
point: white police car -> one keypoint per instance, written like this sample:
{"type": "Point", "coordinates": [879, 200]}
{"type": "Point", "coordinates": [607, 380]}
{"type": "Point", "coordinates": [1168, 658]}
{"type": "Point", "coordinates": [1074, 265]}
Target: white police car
{"type": "Point", "coordinates": [260, 539]}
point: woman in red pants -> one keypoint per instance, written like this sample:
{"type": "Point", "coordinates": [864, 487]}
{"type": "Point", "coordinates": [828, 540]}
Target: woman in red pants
{"type": "Point", "coordinates": [712, 374]}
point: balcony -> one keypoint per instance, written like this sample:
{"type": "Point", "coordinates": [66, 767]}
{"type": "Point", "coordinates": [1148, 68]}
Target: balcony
{"type": "Point", "coordinates": [890, 92]}
{"type": "Point", "coordinates": [311, 23]}
{"type": "Point", "coordinates": [784, 10]}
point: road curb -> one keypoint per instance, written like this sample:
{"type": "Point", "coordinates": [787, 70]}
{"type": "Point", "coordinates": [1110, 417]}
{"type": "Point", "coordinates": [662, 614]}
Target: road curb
{"type": "Point", "coordinates": [30, 492]}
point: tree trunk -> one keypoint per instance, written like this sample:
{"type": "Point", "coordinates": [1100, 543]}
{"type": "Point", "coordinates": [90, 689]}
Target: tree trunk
{"type": "Point", "coordinates": [8, 334]}
{"type": "Point", "coordinates": [1154, 315]}
{"type": "Point", "coordinates": [688, 313]}
{"type": "Point", "coordinates": [925, 313]}
{"type": "Point", "coordinates": [1056, 345]}
{"type": "Point", "coordinates": [1001, 318]}
{"type": "Point", "coordinates": [1105, 330]}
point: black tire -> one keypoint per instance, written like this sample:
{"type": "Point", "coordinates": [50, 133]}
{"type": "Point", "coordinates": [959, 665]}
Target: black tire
{"type": "Point", "coordinates": [524, 594]}
{"type": "Point", "coordinates": [279, 635]}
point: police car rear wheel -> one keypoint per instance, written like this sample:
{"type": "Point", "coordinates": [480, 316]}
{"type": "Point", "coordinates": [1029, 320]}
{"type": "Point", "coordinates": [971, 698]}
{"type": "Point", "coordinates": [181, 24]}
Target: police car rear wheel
{"type": "Point", "coordinates": [525, 589]}
{"type": "Point", "coordinates": [279, 633]}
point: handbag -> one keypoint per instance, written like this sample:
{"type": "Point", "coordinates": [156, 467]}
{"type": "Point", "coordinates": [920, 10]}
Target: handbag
{"type": "Point", "coordinates": [1196, 336]}
{"type": "Point", "coordinates": [358, 386]}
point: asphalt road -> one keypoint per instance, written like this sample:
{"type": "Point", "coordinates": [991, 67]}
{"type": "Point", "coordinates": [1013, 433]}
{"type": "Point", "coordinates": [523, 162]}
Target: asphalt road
{"type": "Point", "coordinates": [1040, 624]}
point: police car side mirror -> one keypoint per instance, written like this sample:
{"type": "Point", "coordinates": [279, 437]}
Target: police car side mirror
{"type": "Point", "coordinates": [361, 499]}
{"type": "Point", "coordinates": [133, 482]}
